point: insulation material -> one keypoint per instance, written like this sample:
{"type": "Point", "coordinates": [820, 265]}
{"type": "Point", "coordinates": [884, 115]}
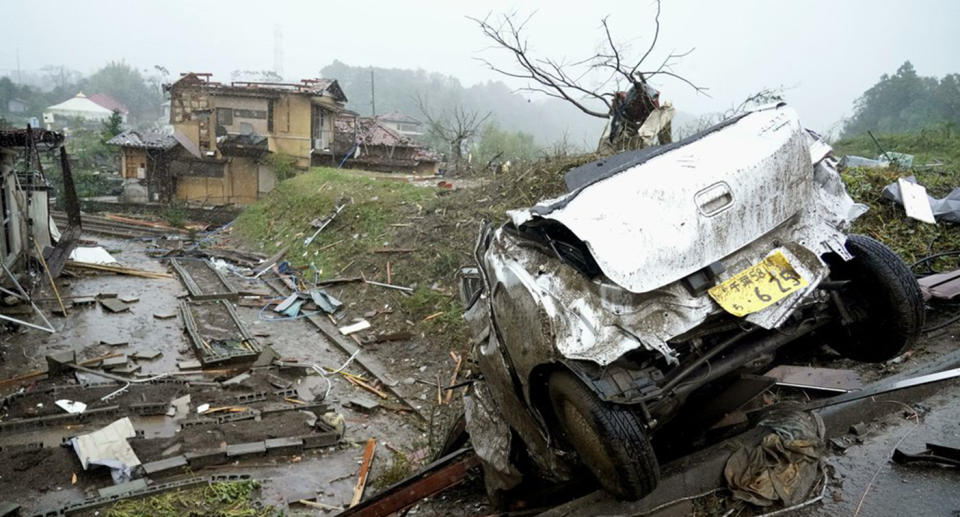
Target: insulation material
{"type": "Point", "coordinates": [109, 447]}
{"type": "Point", "coordinates": [92, 255]}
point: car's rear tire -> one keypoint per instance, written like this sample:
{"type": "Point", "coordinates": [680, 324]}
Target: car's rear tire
{"type": "Point", "coordinates": [884, 300]}
{"type": "Point", "coordinates": [609, 439]}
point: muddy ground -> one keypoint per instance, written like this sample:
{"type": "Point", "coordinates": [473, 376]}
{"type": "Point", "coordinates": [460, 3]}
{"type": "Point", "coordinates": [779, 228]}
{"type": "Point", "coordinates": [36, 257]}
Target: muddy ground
{"type": "Point", "coordinates": [41, 481]}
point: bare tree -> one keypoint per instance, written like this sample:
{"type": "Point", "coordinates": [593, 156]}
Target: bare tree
{"type": "Point", "coordinates": [567, 80]}
{"type": "Point", "coordinates": [454, 126]}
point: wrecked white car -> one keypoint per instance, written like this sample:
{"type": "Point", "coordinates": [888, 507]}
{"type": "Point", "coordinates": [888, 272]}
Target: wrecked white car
{"type": "Point", "coordinates": [659, 278]}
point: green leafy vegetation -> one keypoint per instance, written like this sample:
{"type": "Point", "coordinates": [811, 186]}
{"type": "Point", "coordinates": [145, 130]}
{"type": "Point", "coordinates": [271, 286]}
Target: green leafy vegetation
{"type": "Point", "coordinates": [113, 126]}
{"type": "Point", "coordinates": [228, 499]}
{"type": "Point", "coordinates": [175, 215]}
{"type": "Point", "coordinates": [283, 165]}
{"type": "Point", "coordinates": [936, 166]}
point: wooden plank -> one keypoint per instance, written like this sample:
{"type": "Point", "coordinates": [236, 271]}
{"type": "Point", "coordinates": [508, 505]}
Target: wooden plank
{"type": "Point", "coordinates": [444, 473]}
{"type": "Point", "coordinates": [368, 453]}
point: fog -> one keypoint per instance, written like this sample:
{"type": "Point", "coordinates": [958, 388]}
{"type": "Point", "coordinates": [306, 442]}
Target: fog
{"type": "Point", "coordinates": [824, 53]}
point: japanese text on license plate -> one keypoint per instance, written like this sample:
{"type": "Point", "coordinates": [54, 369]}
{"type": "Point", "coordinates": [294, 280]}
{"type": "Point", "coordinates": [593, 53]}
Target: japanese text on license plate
{"type": "Point", "coordinates": [759, 286]}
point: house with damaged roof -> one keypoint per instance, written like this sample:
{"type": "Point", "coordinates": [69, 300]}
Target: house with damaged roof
{"type": "Point", "coordinates": [369, 143]}
{"type": "Point", "coordinates": [224, 134]}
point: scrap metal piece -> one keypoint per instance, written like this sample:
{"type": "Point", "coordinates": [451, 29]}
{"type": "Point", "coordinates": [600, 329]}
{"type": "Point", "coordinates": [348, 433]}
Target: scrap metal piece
{"type": "Point", "coordinates": [325, 301]}
{"type": "Point", "coordinates": [939, 454]}
{"type": "Point", "coordinates": [884, 388]}
{"type": "Point", "coordinates": [320, 224]}
{"type": "Point", "coordinates": [826, 379]}
{"type": "Point", "coordinates": [440, 475]}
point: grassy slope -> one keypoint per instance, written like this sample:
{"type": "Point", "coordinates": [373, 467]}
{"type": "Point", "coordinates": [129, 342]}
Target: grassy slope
{"type": "Point", "coordinates": [441, 226]}
{"type": "Point", "coordinates": [887, 221]}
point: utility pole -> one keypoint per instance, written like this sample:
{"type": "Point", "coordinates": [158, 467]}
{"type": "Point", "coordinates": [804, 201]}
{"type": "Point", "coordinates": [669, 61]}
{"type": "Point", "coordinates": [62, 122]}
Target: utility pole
{"type": "Point", "coordinates": [373, 95]}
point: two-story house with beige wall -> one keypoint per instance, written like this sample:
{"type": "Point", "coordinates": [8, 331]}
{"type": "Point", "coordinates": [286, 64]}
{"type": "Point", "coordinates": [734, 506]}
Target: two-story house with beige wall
{"type": "Point", "coordinates": [226, 131]}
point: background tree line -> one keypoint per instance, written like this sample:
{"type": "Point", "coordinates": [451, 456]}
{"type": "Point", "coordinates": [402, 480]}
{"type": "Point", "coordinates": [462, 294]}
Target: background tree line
{"type": "Point", "coordinates": [140, 92]}
{"type": "Point", "coordinates": [905, 102]}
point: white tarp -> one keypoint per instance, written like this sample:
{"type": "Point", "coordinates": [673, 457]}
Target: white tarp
{"type": "Point", "coordinates": [92, 255]}
{"type": "Point", "coordinates": [109, 447]}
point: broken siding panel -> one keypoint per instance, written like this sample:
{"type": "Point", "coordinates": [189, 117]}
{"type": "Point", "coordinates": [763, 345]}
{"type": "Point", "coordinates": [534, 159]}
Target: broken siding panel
{"type": "Point", "coordinates": [133, 160]}
{"type": "Point", "coordinates": [204, 190]}
{"type": "Point", "coordinates": [291, 134]}
{"type": "Point", "coordinates": [242, 179]}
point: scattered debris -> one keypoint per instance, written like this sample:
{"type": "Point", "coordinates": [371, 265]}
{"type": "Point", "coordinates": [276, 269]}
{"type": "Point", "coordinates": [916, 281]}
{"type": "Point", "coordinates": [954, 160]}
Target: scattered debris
{"type": "Point", "coordinates": [935, 454]}
{"type": "Point", "coordinates": [114, 305]}
{"type": "Point", "coordinates": [92, 255]}
{"type": "Point", "coordinates": [320, 224]}
{"type": "Point", "coordinates": [191, 364]}
{"type": "Point", "coordinates": [446, 472]}
{"type": "Point", "coordinates": [109, 447]}
{"type": "Point", "coordinates": [119, 270]}
{"type": "Point", "coordinates": [907, 192]}
{"type": "Point", "coordinates": [147, 355]}
{"type": "Point", "coordinates": [363, 403]}
{"type": "Point", "coordinates": [368, 453]}
{"type": "Point", "coordinates": [165, 315]}
{"type": "Point", "coordinates": [325, 301]}
{"type": "Point", "coordinates": [70, 406]}
{"type": "Point", "coordinates": [825, 379]}
{"type": "Point", "coordinates": [389, 286]}
{"type": "Point", "coordinates": [356, 327]}
{"type": "Point", "coordinates": [785, 467]}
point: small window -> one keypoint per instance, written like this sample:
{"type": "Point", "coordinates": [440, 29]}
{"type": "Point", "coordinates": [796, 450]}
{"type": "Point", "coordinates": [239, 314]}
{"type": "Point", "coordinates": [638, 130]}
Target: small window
{"type": "Point", "coordinates": [224, 116]}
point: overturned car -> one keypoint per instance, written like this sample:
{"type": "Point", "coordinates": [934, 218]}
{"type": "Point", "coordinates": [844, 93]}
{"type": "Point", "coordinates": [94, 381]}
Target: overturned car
{"type": "Point", "coordinates": [660, 278]}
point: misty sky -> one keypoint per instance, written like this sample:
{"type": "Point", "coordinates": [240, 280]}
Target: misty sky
{"type": "Point", "coordinates": [826, 53]}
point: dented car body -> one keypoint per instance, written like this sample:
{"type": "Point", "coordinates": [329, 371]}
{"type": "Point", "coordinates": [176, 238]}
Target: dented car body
{"type": "Point", "coordinates": [660, 273]}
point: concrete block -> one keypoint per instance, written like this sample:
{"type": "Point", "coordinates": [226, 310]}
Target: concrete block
{"type": "Point", "coordinates": [246, 449]}
{"type": "Point", "coordinates": [324, 439]}
{"type": "Point", "coordinates": [164, 465]}
{"type": "Point", "coordinates": [123, 488]}
{"type": "Point", "coordinates": [284, 446]}
{"type": "Point", "coordinates": [205, 458]}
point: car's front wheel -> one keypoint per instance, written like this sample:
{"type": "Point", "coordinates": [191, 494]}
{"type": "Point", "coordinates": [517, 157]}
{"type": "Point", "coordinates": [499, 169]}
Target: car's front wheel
{"type": "Point", "coordinates": [610, 440]}
{"type": "Point", "coordinates": [881, 308]}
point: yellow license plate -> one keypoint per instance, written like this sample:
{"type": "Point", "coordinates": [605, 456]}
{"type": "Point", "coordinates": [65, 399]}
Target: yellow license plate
{"type": "Point", "coordinates": [759, 286]}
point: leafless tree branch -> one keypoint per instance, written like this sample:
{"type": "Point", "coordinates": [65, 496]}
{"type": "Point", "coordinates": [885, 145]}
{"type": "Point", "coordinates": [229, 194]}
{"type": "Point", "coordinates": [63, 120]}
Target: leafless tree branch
{"type": "Point", "coordinates": [566, 80]}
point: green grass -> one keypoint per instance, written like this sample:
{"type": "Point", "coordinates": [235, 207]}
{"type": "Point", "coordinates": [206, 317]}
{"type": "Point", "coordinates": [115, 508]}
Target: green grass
{"type": "Point", "coordinates": [227, 499]}
{"type": "Point", "coordinates": [936, 166]}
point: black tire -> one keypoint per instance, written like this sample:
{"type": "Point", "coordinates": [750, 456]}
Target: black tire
{"type": "Point", "coordinates": [883, 299]}
{"type": "Point", "coordinates": [609, 440]}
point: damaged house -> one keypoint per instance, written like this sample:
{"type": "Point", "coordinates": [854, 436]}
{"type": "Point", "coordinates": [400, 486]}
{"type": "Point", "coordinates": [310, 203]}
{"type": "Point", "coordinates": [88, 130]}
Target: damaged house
{"type": "Point", "coordinates": [32, 247]}
{"type": "Point", "coordinates": [225, 132]}
{"type": "Point", "coordinates": [369, 143]}
{"type": "Point", "coordinates": [144, 156]}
